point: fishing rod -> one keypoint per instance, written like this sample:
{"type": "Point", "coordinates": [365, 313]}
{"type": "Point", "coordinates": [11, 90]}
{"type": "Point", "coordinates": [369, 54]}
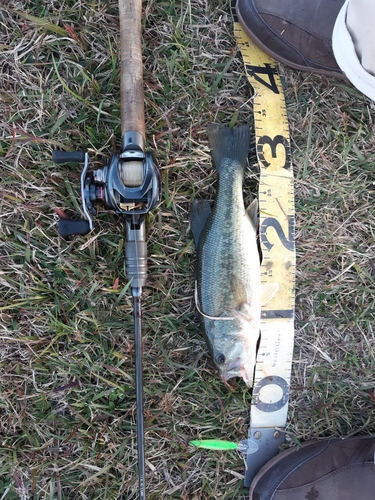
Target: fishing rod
{"type": "Point", "coordinates": [129, 185]}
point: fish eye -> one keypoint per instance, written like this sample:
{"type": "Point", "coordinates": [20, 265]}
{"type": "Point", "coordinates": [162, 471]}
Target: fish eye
{"type": "Point", "coordinates": [220, 359]}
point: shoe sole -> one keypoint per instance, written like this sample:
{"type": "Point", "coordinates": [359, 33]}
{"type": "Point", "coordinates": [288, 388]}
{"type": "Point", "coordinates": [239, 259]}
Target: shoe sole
{"type": "Point", "coordinates": [282, 455]}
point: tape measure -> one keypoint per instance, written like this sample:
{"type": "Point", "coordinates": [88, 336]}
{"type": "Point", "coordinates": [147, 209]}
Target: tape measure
{"type": "Point", "coordinates": [269, 408]}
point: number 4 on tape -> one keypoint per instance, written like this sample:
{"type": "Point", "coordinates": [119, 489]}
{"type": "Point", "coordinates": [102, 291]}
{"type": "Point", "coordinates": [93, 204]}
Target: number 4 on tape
{"type": "Point", "coordinates": [267, 70]}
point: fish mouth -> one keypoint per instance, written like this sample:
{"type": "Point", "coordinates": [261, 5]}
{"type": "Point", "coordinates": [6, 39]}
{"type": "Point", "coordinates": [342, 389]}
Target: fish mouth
{"type": "Point", "coordinates": [237, 368]}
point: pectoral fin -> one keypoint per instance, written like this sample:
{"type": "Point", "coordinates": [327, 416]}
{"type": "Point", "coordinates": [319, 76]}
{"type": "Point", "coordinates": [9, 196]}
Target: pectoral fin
{"type": "Point", "coordinates": [238, 290]}
{"type": "Point", "coordinates": [269, 290]}
{"type": "Point", "coordinates": [242, 311]}
{"type": "Point", "coordinates": [244, 315]}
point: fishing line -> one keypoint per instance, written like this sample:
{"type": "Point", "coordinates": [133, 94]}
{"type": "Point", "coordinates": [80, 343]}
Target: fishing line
{"type": "Point", "coordinates": [197, 305]}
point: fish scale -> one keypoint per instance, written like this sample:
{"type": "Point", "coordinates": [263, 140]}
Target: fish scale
{"type": "Point", "coordinates": [225, 240]}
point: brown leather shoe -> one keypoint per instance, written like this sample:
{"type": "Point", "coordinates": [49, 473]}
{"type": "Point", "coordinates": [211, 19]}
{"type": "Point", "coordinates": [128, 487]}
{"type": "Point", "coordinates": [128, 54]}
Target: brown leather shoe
{"type": "Point", "coordinates": [333, 469]}
{"type": "Point", "coordinates": [295, 32]}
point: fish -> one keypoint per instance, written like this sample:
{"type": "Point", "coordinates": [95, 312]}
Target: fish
{"type": "Point", "coordinates": [228, 289]}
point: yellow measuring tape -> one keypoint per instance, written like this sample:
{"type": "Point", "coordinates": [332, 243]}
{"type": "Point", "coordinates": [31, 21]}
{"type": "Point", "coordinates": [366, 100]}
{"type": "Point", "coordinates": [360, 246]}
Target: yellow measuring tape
{"type": "Point", "coordinates": [268, 413]}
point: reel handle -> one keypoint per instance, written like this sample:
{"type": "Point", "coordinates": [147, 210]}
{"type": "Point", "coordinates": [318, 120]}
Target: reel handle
{"type": "Point", "coordinates": [66, 157]}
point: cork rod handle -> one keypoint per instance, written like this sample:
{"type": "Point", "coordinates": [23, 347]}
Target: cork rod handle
{"type": "Point", "coordinates": [132, 98]}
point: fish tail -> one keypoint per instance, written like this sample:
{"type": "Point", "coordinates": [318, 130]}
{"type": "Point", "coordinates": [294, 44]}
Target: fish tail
{"type": "Point", "coordinates": [231, 144]}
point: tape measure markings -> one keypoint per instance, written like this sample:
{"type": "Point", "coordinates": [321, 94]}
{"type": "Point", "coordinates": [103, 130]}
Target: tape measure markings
{"type": "Point", "coordinates": [276, 202]}
{"type": "Point", "coordinates": [277, 231]}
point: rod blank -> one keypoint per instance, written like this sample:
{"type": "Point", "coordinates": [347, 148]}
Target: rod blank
{"type": "Point", "coordinates": [136, 292]}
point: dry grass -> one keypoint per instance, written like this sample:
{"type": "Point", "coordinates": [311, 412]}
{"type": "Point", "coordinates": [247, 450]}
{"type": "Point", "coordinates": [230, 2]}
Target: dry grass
{"type": "Point", "coordinates": [67, 402]}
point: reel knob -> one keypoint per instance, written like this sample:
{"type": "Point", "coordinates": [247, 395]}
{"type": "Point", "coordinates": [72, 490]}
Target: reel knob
{"type": "Point", "coordinates": [69, 227]}
{"type": "Point", "coordinates": [66, 157]}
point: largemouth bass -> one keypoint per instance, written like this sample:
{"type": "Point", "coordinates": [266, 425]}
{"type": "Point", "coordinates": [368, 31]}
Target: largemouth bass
{"type": "Point", "coordinates": [228, 284]}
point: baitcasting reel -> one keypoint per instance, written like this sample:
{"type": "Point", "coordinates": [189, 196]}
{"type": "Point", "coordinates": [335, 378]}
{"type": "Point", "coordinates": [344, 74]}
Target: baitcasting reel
{"type": "Point", "coordinates": [129, 185]}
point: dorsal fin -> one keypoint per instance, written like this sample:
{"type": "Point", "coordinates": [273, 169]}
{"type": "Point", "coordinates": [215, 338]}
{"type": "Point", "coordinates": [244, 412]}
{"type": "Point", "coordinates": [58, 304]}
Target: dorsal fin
{"type": "Point", "coordinates": [199, 213]}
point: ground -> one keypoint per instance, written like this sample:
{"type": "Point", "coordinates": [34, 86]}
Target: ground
{"type": "Point", "coordinates": [67, 401]}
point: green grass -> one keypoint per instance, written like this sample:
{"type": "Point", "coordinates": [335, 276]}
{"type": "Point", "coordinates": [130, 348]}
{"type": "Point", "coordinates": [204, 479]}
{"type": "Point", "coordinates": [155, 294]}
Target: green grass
{"type": "Point", "coordinates": [67, 400]}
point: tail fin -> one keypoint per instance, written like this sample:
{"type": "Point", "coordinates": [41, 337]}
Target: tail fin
{"type": "Point", "coordinates": [228, 144]}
